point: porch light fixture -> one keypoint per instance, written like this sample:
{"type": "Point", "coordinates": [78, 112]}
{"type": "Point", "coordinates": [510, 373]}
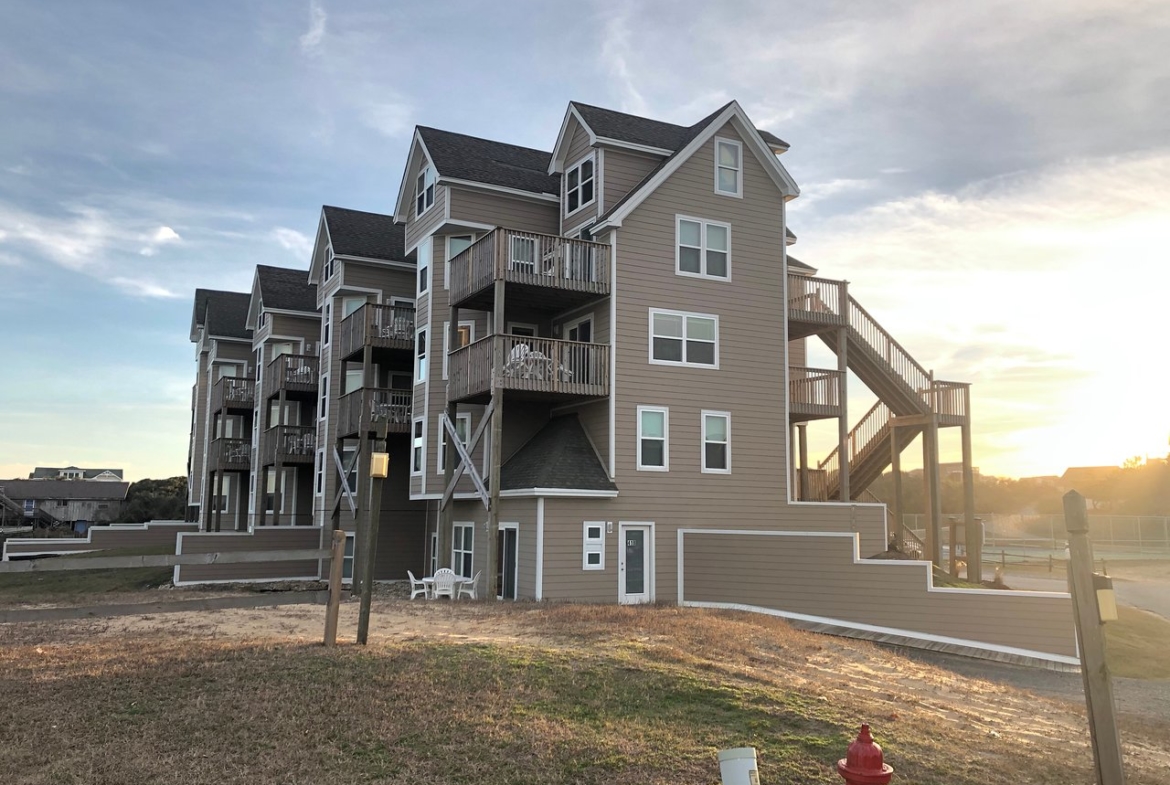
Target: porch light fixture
{"type": "Point", "coordinates": [379, 465]}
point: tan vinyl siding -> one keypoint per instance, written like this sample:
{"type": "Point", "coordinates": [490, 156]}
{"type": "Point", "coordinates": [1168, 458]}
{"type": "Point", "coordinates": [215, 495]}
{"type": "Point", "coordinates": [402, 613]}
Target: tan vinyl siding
{"type": "Point", "coordinates": [199, 402]}
{"type": "Point", "coordinates": [624, 170]}
{"type": "Point", "coordinates": [576, 152]}
{"type": "Point", "coordinates": [305, 328]}
{"type": "Point", "coordinates": [152, 535]}
{"type": "Point", "coordinates": [817, 576]}
{"type": "Point", "coordinates": [564, 579]}
{"type": "Point", "coordinates": [418, 228]}
{"type": "Point", "coordinates": [797, 353]}
{"type": "Point", "coordinates": [498, 209]}
{"type": "Point", "coordinates": [264, 539]}
{"type": "Point", "coordinates": [390, 281]}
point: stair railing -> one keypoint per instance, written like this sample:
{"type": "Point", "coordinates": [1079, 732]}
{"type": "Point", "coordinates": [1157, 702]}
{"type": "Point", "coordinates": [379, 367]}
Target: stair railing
{"type": "Point", "coordinates": [881, 343]}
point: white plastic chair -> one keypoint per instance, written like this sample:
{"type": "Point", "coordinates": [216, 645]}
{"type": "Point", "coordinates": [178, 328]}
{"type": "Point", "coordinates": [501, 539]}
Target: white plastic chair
{"type": "Point", "coordinates": [444, 585]}
{"type": "Point", "coordinates": [470, 588]}
{"type": "Point", "coordinates": [417, 587]}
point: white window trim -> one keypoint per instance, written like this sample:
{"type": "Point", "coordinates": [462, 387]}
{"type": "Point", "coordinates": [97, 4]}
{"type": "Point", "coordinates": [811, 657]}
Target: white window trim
{"type": "Point", "coordinates": [319, 474]}
{"type": "Point", "coordinates": [593, 179]}
{"type": "Point", "coordinates": [420, 370]}
{"type": "Point", "coordinates": [703, 415]}
{"type": "Point", "coordinates": [665, 467]}
{"type": "Point", "coordinates": [684, 314]}
{"type": "Point", "coordinates": [327, 324]}
{"type": "Point", "coordinates": [534, 327]}
{"type": "Point", "coordinates": [441, 453]}
{"type": "Point", "coordinates": [738, 194]}
{"type": "Point", "coordinates": [426, 167]}
{"type": "Point", "coordinates": [323, 400]}
{"type": "Point", "coordinates": [470, 526]}
{"type": "Point", "coordinates": [592, 545]}
{"type": "Point", "coordinates": [447, 340]}
{"type": "Point", "coordinates": [448, 255]}
{"type": "Point", "coordinates": [703, 224]}
{"type": "Point", "coordinates": [422, 461]}
{"type": "Point", "coordinates": [580, 320]}
{"type": "Point", "coordinates": [424, 255]}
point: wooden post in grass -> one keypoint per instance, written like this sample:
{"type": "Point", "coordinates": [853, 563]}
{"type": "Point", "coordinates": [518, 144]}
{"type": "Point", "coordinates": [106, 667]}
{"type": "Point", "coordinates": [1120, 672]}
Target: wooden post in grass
{"type": "Point", "coordinates": [374, 516]}
{"type": "Point", "coordinates": [333, 609]}
{"type": "Point", "coordinates": [1091, 642]}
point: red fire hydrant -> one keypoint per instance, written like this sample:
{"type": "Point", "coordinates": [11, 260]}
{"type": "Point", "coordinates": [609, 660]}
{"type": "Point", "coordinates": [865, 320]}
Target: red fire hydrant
{"type": "Point", "coordinates": [862, 764]}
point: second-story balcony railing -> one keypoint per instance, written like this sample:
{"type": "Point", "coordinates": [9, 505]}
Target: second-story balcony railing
{"type": "Point", "coordinates": [367, 408]}
{"type": "Point", "coordinates": [233, 392]}
{"type": "Point", "coordinates": [535, 365]}
{"type": "Point", "coordinates": [541, 260]}
{"type": "Point", "coordinates": [292, 373]}
{"type": "Point", "coordinates": [814, 392]}
{"type": "Point", "coordinates": [379, 326]}
{"type": "Point", "coordinates": [230, 455]}
{"type": "Point", "coordinates": [290, 444]}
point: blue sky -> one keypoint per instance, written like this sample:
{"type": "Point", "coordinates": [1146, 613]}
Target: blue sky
{"type": "Point", "coordinates": [993, 179]}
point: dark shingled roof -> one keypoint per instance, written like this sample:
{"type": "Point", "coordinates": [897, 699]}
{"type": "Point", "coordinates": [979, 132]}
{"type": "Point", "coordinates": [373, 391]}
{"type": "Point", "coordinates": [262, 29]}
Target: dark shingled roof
{"type": "Point", "coordinates": [794, 262]}
{"type": "Point", "coordinates": [369, 235]}
{"type": "Point", "coordinates": [642, 130]}
{"type": "Point", "coordinates": [64, 489]}
{"type": "Point", "coordinates": [227, 314]}
{"type": "Point", "coordinates": [558, 456]}
{"type": "Point", "coordinates": [285, 289]}
{"type": "Point", "coordinates": [493, 163]}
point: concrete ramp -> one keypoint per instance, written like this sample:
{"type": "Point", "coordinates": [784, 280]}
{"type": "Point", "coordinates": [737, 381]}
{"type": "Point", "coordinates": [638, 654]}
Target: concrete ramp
{"type": "Point", "coordinates": [819, 580]}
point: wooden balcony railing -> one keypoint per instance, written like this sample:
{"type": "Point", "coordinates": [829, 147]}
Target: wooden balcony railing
{"type": "Point", "coordinates": [950, 401]}
{"type": "Point", "coordinates": [365, 409]}
{"type": "Point", "coordinates": [816, 299]}
{"type": "Point", "coordinates": [814, 391]}
{"type": "Point", "coordinates": [541, 365]}
{"type": "Point", "coordinates": [291, 373]}
{"type": "Point", "coordinates": [231, 455]}
{"type": "Point", "coordinates": [233, 392]}
{"type": "Point", "coordinates": [528, 258]}
{"type": "Point", "coordinates": [290, 444]}
{"type": "Point", "coordinates": [380, 326]}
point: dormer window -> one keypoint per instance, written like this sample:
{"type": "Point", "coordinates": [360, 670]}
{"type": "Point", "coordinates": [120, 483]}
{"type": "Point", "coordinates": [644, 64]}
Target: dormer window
{"type": "Point", "coordinates": [579, 186]}
{"type": "Point", "coordinates": [728, 167]}
{"type": "Point", "coordinates": [329, 266]}
{"type": "Point", "coordinates": [425, 192]}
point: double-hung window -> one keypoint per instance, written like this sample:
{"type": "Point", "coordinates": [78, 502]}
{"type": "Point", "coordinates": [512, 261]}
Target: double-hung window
{"type": "Point", "coordinates": [703, 248]}
{"type": "Point", "coordinates": [579, 182]}
{"type": "Point", "coordinates": [420, 353]}
{"type": "Point", "coordinates": [728, 167]}
{"type": "Point", "coordinates": [653, 438]}
{"type": "Point", "coordinates": [463, 428]}
{"type": "Point", "coordinates": [462, 549]}
{"type": "Point", "coordinates": [417, 448]}
{"type": "Point", "coordinates": [679, 338]}
{"type": "Point", "coordinates": [593, 547]}
{"type": "Point", "coordinates": [424, 191]}
{"type": "Point", "coordinates": [456, 244]}
{"type": "Point", "coordinates": [716, 442]}
{"type": "Point", "coordinates": [423, 253]}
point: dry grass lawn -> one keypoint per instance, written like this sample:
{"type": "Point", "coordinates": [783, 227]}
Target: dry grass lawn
{"type": "Point", "coordinates": [487, 693]}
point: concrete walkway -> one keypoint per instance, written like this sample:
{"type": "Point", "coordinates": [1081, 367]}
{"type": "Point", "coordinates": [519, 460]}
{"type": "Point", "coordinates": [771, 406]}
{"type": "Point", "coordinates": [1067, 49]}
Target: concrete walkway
{"type": "Point", "coordinates": [1148, 595]}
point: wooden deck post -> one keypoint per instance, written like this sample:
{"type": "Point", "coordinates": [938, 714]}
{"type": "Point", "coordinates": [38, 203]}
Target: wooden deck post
{"type": "Point", "coordinates": [333, 609]}
{"type": "Point", "coordinates": [931, 470]}
{"type": "Point", "coordinates": [896, 472]}
{"type": "Point", "coordinates": [447, 510]}
{"type": "Point", "coordinates": [1091, 642]}
{"type": "Point", "coordinates": [497, 447]}
{"type": "Point", "coordinates": [281, 419]}
{"type": "Point", "coordinates": [974, 539]}
{"type": "Point", "coordinates": [219, 490]}
{"type": "Point", "coordinates": [369, 556]}
{"type": "Point", "coordinates": [802, 433]}
{"type": "Point", "coordinates": [843, 420]}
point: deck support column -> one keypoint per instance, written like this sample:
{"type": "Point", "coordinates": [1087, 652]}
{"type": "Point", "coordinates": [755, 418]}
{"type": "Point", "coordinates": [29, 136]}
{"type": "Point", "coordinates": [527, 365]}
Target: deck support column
{"type": "Point", "coordinates": [497, 448]}
{"type": "Point", "coordinates": [447, 511]}
{"type": "Point", "coordinates": [932, 496]}
{"type": "Point", "coordinates": [843, 420]}
{"type": "Point", "coordinates": [802, 438]}
{"type": "Point", "coordinates": [263, 495]}
{"type": "Point", "coordinates": [219, 493]}
{"type": "Point", "coordinates": [974, 542]}
{"type": "Point", "coordinates": [364, 517]}
{"type": "Point", "coordinates": [895, 509]}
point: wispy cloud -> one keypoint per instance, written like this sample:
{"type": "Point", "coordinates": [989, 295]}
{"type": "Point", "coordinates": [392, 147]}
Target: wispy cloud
{"type": "Point", "coordinates": [615, 51]}
{"type": "Point", "coordinates": [390, 118]}
{"type": "Point", "coordinates": [143, 288]}
{"type": "Point", "coordinates": [300, 244]}
{"type": "Point", "coordinates": [311, 40]}
{"type": "Point", "coordinates": [161, 236]}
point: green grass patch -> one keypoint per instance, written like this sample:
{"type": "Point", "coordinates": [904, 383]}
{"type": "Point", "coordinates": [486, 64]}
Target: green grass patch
{"type": "Point", "coordinates": [70, 585]}
{"type": "Point", "coordinates": [1137, 645]}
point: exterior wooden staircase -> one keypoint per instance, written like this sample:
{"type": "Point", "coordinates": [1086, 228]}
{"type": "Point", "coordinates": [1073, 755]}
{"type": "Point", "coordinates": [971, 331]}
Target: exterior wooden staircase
{"type": "Point", "coordinates": [41, 516]}
{"type": "Point", "coordinates": [824, 307]}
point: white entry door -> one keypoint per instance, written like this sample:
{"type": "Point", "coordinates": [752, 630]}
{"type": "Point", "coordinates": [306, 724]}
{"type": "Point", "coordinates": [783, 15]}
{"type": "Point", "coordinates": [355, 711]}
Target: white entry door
{"type": "Point", "coordinates": [635, 563]}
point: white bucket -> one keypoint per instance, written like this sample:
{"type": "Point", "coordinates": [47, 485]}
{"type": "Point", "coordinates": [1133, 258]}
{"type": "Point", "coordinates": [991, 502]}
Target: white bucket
{"type": "Point", "coordinates": [738, 766]}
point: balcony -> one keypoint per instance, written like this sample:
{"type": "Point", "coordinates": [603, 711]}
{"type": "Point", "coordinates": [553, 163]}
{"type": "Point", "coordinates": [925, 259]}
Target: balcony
{"type": "Point", "coordinates": [365, 409]}
{"type": "Point", "coordinates": [538, 367]}
{"type": "Point", "coordinates": [233, 393]}
{"type": "Point", "coordinates": [230, 455]}
{"type": "Point", "coordinates": [292, 373]}
{"type": "Point", "coordinates": [814, 393]}
{"type": "Point", "coordinates": [815, 304]}
{"type": "Point", "coordinates": [290, 444]}
{"type": "Point", "coordinates": [546, 272]}
{"type": "Point", "coordinates": [377, 326]}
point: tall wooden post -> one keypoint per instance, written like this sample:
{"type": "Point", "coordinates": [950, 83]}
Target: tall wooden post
{"type": "Point", "coordinates": [896, 507]}
{"type": "Point", "coordinates": [802, 433]}
{"type": "Point", "coordinates": [281, 419]}
{"type": "Point", "coordinates": [219, 491]}
{"type": "Point", "coordinates": [497, 446]}
{"type": "Point", "coordinates": [932, 472]}
{"type": "Point", "coordinates": [373, 523]}
{"type": "Point", "coordinates": [933, 552]}
{"type": "Point", "coordinates": [333, 609]}
{"type": "Point", "coordinates": [974, 538]}
{"type": "Point", "coordinates": [447, 511]}
{"type": "Point", "coordinates": [361, 490]}
{"type": "Point", "coordinates": [843, 420]}
{"type": "Point", "coordinates": [1091, 642]}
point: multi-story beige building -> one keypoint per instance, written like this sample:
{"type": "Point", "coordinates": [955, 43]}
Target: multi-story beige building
{"type": "Point", "coordinates": [614, 333]}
